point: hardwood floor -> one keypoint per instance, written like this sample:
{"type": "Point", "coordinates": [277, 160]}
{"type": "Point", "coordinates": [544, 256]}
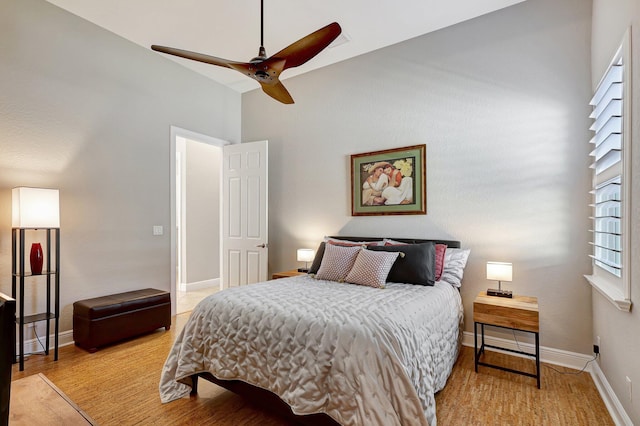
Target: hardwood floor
{"type": "Point", "coordinates": [118, 385]}
{"type": "Point", "coordinates": [494, 397]}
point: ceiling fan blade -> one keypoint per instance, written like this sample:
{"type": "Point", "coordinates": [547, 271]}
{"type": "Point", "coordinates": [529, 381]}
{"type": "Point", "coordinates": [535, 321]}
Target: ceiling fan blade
{"type": "Point", "coordinates": [266, 71]}
{"type": "Point", "coordinates": [278, 92]}
{"type": "Point", "coordinates": [195, 56]}
{"type": "Point", "coordinates": [307, 47]}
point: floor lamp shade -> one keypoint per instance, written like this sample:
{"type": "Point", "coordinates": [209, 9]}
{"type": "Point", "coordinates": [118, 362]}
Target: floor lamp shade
{"type": "Point", "coordinates": [35, 208]}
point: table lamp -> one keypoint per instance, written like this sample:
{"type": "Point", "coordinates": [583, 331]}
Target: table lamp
{"type": "Point", "coordinates": [305, 255]}
{"type": "Point", "coordinates": [499, 271]}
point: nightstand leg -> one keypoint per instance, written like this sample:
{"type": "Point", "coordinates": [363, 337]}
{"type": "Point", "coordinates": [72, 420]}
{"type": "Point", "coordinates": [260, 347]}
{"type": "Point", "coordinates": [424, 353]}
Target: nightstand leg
{"type": "Point", "coordinates": [538, 358]}
{"type": "Point", "coordinates": [475, 345]}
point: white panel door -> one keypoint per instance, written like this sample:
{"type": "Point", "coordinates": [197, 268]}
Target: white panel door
{"type": "Point", "coordinates": [244, 218]}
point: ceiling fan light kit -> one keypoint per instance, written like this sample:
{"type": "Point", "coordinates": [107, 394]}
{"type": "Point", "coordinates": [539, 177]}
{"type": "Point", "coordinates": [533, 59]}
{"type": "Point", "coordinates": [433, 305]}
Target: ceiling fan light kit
{"type": "Point", "coordinates": [266, 70]}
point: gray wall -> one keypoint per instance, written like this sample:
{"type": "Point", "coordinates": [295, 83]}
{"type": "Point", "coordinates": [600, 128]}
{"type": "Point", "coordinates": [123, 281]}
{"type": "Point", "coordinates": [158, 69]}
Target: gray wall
{"type": "Point", "coordinates": [501, 103]}
{"type": "Point", "coordinates": [88, 112]}
{"type": "Point", "coordinates": [203, 211]}
{"type": "Point", "coordinates": [620, 331]}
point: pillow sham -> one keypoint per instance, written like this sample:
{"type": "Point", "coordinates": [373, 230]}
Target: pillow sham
{"type": "Point", "coordinates": [417, 266]}
{"type": "Point", "coordinates": [337, 262]}
{"type": "Point", "coordinates": [317, 260]}
{"type": "Point", "coordinates": [371, 268]}
{"type": "Point", "coordinates": [454, 262]}
{"type": "Point", "coordinates": [440, 252]}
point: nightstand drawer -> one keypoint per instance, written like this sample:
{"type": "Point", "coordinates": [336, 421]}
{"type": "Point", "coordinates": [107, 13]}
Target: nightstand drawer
{"type": "Point", "coordinates": [520, 312]}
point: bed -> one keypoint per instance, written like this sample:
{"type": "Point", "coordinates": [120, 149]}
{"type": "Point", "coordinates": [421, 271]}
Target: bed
{"type": "Point", "coordinates": [331, 351]}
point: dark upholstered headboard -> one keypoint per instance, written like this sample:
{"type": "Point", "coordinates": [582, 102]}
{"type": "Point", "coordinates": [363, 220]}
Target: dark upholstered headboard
{"type": "Point", "coordinates": [449, 243]}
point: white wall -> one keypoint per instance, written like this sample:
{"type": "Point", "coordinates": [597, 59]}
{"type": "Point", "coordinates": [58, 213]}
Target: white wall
{"type": "Point", "coordinates": [90, 113]}
{"type": "Point", "coordinates": [501, 103]}
{"type": "Point", "coordinates": [620, 331]}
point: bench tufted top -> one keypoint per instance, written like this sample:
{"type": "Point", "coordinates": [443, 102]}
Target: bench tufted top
{"type": "Point", "coordinates": [105, 306]}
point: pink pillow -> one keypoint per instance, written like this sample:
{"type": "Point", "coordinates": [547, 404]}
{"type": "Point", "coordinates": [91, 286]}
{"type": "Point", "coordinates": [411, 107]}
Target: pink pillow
{"type": "Point", "coordinates": [337, 262]}
{"type": "Point", "coordinates": [333, 243]}
{"type": "Point", "coordinates": [388, 242]}
{"type": "Point", "coordinates": [352, 243]}
{"type": "Point", "coordinates": [371, 268]}
{"type": "Point", "coordinates": [440, 251]}
{"type": "Point", "coordinates": [341, 242]}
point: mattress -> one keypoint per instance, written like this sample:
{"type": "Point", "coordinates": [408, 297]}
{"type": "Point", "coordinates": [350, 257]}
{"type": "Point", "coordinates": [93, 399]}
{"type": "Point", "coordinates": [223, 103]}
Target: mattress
{"type": "Point", "coordinates": [362, 355]}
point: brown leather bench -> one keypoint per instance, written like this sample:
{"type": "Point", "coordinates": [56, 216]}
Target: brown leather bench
{"type": "Point", "coordinates": [108, 319]}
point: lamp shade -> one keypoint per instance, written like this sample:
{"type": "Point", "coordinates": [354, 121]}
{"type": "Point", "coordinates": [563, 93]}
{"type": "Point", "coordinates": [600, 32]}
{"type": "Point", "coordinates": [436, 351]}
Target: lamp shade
{"type": "Point", "coordinates": [305, 255]}
{"type": "Point", "coordinates": [499, 271]}
{"type": "Point", "coordinates": [35, 208]}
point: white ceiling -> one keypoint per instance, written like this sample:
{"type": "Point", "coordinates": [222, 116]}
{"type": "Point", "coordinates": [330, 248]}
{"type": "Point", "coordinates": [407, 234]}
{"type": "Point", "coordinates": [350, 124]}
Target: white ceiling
{"type": "Point", "coordinates": [231, 29]}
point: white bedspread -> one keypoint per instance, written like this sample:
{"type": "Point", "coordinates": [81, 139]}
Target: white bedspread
{"type": "Point", "coordinates": [364, 356]}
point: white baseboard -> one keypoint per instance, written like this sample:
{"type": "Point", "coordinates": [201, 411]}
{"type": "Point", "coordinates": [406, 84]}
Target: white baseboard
{"type": "Point", "coordinates": [199, 285]}
{"type": "Point", "coordinates": [549, 355]}
{"type": "Point", "coordinates": [618, 414]}
{"type": "Point", "coordinates": [565, 359]}
{"type": "Point", "coordinates": [35, 346]}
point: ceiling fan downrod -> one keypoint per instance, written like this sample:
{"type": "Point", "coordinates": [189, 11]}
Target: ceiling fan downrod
{"type": "Point", "coordinates": [262, 53]}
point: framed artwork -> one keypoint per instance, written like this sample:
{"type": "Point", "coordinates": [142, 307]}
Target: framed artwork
{"type": "Point", "coordinates": [389, 182]}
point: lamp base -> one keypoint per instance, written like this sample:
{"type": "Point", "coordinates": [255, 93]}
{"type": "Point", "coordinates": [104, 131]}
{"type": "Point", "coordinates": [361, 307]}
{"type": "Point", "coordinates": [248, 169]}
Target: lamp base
{"type": "Point", "coordinates": [303, 270]}
{"type": "Point", "coordinates": [499, 293]}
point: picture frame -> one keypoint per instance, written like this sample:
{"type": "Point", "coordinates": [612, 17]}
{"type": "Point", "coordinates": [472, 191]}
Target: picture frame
{"type": "Point", "coordinates": [389, 182]}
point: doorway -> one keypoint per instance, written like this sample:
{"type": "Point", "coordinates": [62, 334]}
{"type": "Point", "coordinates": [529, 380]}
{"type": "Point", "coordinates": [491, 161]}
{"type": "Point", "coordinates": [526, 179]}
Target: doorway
{"type": "Point", "coordinates": [195, 217]}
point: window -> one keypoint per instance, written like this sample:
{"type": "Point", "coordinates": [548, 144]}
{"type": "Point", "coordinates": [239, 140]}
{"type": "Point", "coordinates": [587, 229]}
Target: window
{"type": "Point", "coordinates": [611, 189]}
{"type": "Point", "coordinates": [607, 239]}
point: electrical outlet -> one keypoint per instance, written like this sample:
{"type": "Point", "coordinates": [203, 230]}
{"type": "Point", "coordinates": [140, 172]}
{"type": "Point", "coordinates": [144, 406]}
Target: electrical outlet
{"type": "Point", "coordinates": [596, 349]}
{"type": "Point", "coordinates": [598, 340]}
{"type": "Point", "coordinates": [629, 393]}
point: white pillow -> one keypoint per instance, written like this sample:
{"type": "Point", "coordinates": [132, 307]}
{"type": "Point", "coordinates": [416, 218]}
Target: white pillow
{"type": "Point", "coordinates": [455, 260]}
{"type": "Point", "coordinates": [337, 262]}
{"type": "Point", "coordinates": [371, 268]}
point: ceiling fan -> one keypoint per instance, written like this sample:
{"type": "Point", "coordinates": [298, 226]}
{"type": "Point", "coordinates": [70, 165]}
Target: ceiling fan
{"type": "Point", "coordinates": [266, 70]}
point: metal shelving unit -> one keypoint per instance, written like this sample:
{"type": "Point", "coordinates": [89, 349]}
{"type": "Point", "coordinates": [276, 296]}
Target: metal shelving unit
{"type": "Point", "coordinates": [50, 273]}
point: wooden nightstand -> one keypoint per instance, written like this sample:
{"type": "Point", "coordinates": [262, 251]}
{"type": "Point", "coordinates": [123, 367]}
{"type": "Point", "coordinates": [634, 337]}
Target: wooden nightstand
{"type": "Point", "coordinates": [287, 274]}
{"type": "Point", "coordinates": [519, 313]}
